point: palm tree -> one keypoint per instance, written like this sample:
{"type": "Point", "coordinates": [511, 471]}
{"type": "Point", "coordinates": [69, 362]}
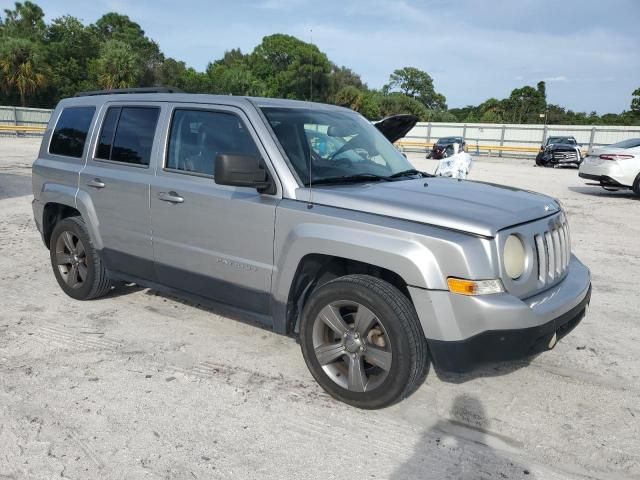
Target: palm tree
{"type": "Point", "coordinates": [21, 68]}
{"type": "Point", "coordinates": [117, 66]}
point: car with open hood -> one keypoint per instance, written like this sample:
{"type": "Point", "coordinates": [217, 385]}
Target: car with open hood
{"type": "Point", "coordinates": [444, 147]}
{"type": "Point", "coordinates": [304, 218]}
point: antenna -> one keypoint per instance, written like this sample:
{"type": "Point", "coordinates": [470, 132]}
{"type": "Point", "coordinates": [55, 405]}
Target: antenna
{"type": "Point", "coordinates": [311, 71]}
{"type": "Point", "coordinates": [310, 204]}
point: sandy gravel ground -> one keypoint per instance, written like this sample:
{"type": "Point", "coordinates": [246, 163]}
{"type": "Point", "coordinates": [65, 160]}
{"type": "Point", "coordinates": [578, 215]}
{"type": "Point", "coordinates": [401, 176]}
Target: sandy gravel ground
{"type": "Point", "coordinates": [138, 385]}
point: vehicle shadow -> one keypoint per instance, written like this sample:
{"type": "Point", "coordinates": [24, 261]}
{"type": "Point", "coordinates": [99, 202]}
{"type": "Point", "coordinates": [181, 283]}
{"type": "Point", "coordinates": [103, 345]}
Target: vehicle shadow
{"type": "Point", "coordinates": [462, 447]}
{"type": "Point", "coordinates": [597, 191]}
{"type": "Point", "coordinates": [493, 369]}
{"type": "Point", "coordinates": [13, 185]}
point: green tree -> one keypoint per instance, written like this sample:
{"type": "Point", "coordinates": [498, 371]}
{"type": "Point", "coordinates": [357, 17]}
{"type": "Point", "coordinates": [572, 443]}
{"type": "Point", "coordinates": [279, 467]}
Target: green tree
{"type": "Point", "coordinates": [117, 66]}
{"type": "Point", "coordinates": [25, 21]}
{"type": "Point", "coordinates": [70, 48]}
{"type": "Point", "coordinates": [397, 103]}
{"type": "Point", "coordinates": [524, 105]}
{"type": "Point", "coordinates": [22, 67]}
{"type": "Point", "coordinates": [114, 26]}
{"type": "Point", "coordinates": [635, 101]}
{"type": "Point", "coordinates": [341, 77]}
{"type": "Point", "coordinates": [291, 68]}
{"type": "Point", "coordinates": [233, 75]}
{"type": "Point", "coordinates": [416, 84]}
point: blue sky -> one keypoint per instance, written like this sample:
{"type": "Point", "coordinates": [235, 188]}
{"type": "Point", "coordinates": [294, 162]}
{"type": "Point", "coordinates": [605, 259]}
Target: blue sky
{"type": "Point", "coordinates": [587, 51]}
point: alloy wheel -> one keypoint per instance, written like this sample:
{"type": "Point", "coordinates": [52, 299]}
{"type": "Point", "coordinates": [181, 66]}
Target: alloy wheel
{"type": "Point", "coordinates": [352, 345]}
{"type": "Point", "coordinates": [71, 259]}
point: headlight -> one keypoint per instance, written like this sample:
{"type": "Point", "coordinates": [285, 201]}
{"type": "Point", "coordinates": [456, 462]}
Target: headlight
{"type": "Point", "coordinates": [514, 257]}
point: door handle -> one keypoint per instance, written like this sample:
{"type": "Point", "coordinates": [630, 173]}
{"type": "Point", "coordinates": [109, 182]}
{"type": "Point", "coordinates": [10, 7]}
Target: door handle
{"type": "Point", "coordinates": [96, 183]}
{"type": "Point", "coordinates": [171, 197]}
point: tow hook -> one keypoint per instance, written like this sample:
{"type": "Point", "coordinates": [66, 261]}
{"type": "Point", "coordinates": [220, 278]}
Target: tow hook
{"type": "Point", "coordinates": [553, 341]}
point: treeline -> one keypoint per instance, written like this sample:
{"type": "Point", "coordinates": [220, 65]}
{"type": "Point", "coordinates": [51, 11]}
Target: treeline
{"type": "Point", "coordinates": [41, 63]}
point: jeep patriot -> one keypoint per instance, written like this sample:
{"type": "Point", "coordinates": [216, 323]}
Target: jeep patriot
{"type": "Point", "coordinates": [305, 218]}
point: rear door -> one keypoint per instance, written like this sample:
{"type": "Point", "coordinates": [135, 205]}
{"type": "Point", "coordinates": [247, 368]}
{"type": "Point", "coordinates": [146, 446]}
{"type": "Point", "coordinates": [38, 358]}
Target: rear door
{"type": "Point", "coordinates": [209, 239]}
{"type": "Point", "coordinates": [117, 177]}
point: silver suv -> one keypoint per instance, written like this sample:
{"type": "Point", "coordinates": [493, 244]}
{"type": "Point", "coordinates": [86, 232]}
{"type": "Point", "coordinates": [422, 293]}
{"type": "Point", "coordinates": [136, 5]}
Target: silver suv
{"type": "Point", "coordinates": [307, 219]}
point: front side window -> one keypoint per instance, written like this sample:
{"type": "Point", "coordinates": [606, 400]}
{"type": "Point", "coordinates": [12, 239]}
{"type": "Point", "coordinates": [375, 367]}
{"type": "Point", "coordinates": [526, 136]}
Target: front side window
{"type": "Point", "coordinates": [127, 134]}
{"type": "Point", "coordinates": [198, 136]}
{"type": "Point", "coordinates": [70, 133]}
{"type": "Point", "coordinates": [324, 145]}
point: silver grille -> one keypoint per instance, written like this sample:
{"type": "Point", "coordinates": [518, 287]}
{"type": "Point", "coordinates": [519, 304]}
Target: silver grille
{"type": "Point", "coordinates": [554, 253]}
{"type": "Point", "coordinates": [565, 155]}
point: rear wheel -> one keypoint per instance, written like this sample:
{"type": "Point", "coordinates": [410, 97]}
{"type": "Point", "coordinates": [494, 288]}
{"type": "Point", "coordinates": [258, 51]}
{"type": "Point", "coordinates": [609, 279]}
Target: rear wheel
{"type": "Point", "coordinates": [76, 265]}
{"type": "Point", "coordinates": [362, 341]}
{"type": "Point", "coordinates": [636, 185]}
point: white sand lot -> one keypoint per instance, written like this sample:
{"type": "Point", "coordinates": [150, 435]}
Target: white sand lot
{"type": "Point", "coordinates": [138, 385]}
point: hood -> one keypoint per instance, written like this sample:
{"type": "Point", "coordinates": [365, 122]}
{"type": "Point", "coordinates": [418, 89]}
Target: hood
{"type": "Point", "coordinates": [474, 207]}
{"type": "Point", "coordinates": [396, 126]}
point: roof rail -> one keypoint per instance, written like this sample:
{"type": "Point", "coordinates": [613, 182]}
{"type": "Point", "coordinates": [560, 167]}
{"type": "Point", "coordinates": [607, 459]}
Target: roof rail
{"type": "Point", "coordinates": [118, 91]}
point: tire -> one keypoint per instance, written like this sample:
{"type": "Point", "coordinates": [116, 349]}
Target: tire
{"type": "Point", "coordinates": [636, 185]}
{"type": "Point", "coordinates": [539, 161]}
{"type": "Point", "coordinates": [371, 363]}
{"type": "Point", "coordinates": [76, 265]}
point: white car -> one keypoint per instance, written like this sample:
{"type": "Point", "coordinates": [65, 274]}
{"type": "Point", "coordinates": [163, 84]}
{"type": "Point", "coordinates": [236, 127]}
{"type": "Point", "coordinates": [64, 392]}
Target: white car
{"type": "Point", "coordinates": [614, 167]}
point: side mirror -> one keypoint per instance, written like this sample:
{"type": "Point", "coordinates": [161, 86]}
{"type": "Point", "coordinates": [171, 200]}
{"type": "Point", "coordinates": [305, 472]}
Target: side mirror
{"type": "Point", "coordinates": [243, 171]}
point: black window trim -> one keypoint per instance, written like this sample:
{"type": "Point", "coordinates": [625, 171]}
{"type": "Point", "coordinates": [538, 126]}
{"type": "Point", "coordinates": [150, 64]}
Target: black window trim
{"type": "Point", "coordinates": [226, 109]}
{"type": "Point", "coordinates": [87, 139]}
{"type": "Point", "coordinates": [120, 106]}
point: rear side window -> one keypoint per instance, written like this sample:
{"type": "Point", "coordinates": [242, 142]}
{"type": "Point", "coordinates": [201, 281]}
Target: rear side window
{"type": "Point", "coordinates": [199, 136]}
{"type": "Point", "coordinates": [127, 134]}
{"type": "Point", "coordinates": [70, 133]}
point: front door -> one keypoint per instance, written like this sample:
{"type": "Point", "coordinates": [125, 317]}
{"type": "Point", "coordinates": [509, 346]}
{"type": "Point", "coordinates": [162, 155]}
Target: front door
{"type": "Point", "coordinates": [212, 240]}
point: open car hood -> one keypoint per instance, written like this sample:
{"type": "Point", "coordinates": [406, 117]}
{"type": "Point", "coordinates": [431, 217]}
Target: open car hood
{"type": "Point", "coordinates": [396, 126]}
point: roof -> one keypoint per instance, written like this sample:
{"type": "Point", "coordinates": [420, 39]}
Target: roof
{"type": "Point", "coordinates": [161, 95]}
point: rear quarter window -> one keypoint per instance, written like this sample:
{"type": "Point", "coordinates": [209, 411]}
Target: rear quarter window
{"type": "Point", "coordinates": [70, 132]}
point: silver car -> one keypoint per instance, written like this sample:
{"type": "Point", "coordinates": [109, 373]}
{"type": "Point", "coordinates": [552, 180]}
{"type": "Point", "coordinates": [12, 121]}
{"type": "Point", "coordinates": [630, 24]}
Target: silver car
{"type": "Point", "coordinates": [304, 217]}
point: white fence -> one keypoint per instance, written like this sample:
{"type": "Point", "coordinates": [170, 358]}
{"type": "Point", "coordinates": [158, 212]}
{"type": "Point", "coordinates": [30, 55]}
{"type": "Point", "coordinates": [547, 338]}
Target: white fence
{"type": "Point", "coordinates": [480, 137]}
{"type": "Point", "coordinates": [24, 116]}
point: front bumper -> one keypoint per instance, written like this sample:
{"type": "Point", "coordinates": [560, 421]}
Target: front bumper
{"type": "Point", "coordinates": [464, 331]}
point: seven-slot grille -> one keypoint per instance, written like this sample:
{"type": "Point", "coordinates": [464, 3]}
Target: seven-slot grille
{"type": "Point", "coordinates": [554, 252]}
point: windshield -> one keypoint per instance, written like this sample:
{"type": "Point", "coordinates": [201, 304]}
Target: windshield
{"type": "Point", "coordinates": [325, 144]}
{"type": "Point", "coordinates": [445, 140]}
{"type": "Point", "coordinates": [562, 140]}
{"type": "Point", "coordinates": [631, 143]}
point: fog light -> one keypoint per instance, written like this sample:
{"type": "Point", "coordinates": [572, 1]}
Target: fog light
{"type": "Point", "coordinates": [474, 287]}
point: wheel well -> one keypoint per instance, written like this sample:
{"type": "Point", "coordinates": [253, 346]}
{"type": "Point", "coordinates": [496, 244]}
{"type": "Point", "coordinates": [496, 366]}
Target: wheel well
{"type": "Point", "coordinates": [52, 214]}
{"type": "Point", "coordinates": [315, 270]}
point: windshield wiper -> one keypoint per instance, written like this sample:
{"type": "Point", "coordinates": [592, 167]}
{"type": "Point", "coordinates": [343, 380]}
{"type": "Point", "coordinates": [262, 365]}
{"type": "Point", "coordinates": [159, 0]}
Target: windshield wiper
{"type": "Point", "coordinates": [411, 171]}
{"type": "Point", "coordinates": [360, 177]}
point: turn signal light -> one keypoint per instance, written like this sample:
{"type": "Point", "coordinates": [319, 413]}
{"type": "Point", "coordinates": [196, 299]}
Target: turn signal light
{"type": "Point", "coordinates": [613, 156]}
{"type": "Point", "coordinates": [474, 287]}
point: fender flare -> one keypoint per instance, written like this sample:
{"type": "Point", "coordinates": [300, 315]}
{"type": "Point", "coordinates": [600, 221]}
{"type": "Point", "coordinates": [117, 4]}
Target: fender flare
{"type": "Point", "coordinates": [409, 259]}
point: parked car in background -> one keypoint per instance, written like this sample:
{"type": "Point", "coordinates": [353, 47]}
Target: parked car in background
{"type": "Point", "coordinates": [559, 151]}
{"type": "Point", "coordinates": [614, 167]}
{"type": "Point", "coordinates": [306, 219]}
{"type": "Point", "coordinates": [444, 147]}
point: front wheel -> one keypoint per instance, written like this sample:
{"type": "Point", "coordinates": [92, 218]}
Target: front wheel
{"type": "Point", "coordinates": [362, 341]}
